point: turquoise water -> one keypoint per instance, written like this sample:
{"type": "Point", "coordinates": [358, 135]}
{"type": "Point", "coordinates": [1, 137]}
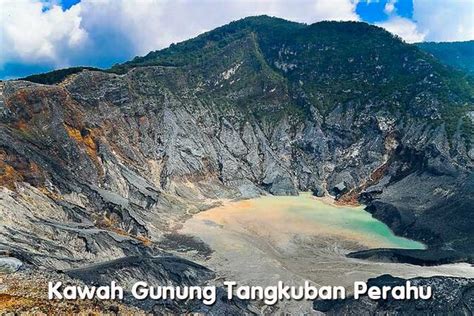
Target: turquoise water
{"type": "Point", "coordinates": [347, 221]}
{"type": "Point", "coordinates": [354, 219]}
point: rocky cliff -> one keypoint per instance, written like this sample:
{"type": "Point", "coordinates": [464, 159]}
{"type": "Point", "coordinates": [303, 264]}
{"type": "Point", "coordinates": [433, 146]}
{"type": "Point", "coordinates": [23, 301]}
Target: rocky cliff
{"type": "Point", "coordinates": [454, 296]}
{"type": "Point", "coordinates": [101, 164]}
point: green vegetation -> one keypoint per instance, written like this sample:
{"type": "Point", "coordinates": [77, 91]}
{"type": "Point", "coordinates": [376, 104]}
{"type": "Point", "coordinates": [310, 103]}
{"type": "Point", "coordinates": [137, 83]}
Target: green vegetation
{"type": "Point", "coordinates": [56, 76]}
{"type": "Point", "coordinates": [328, 64]}
{"type": "Point", "coordinates": [198, 50]}
{"type": "Point", "coordinates": [459, 55]}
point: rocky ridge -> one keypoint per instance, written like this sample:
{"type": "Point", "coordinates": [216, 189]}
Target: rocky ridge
{"type": "Point", "coordinates": [454, 296]}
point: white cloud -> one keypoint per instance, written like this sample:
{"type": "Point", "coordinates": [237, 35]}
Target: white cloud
{"type": "Point", "coordinates": [40, 31]}
{"type": "Point", "coordinates": [150, 25]}
{"type": "Point", "coordinates": [101, 32]}
{"type": "Point", "coordinates": [28, 33]}
{"type": "Point", "coordinates": [338, 10]}
{"type": "Point", "coordinates": [445, 20]}
{"type": "Point", "coordinates": [405, 28]}
{"type": "Point", "coordinates": [433, 20]}
{"type": "Point", "coordinates": [390, 6]}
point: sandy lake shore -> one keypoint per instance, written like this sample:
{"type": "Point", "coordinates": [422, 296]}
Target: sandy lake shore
{"type": "Point", "coordinates": [264, 240]}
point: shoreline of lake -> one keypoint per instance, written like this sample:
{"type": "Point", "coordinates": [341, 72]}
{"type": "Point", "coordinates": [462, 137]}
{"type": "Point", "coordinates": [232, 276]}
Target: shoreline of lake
{"type": "Point", "coordinates": [271, 238]}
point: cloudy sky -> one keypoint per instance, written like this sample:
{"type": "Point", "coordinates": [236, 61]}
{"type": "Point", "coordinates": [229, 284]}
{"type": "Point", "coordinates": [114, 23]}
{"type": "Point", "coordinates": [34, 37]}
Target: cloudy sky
{"type": "Point", "coordinates": [37, 36]}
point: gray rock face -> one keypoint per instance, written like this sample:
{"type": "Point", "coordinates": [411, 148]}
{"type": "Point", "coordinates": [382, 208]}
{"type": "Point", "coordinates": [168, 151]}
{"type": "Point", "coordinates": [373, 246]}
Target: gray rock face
{"type": "Point", "coordinates": [117, 157]}
{"type": "Point", "coordinates": [9, 264]}
{"type": "Point", "coordinates": [159, 271]}
{"type": "Point", "coordinates": [109, 159]}
{"type": "Point", "coordinates": [122, 156]}
{"type": "Point", "coordinates": [454, 296]}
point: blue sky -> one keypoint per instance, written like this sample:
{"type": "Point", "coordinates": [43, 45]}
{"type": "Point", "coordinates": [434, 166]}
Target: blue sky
{"type": "Point", "coordinates": [374, 11]}
{"type": "Point", "coordinates": [66, 4]}
{"type": "Point", "coordinates": [41, 35]}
